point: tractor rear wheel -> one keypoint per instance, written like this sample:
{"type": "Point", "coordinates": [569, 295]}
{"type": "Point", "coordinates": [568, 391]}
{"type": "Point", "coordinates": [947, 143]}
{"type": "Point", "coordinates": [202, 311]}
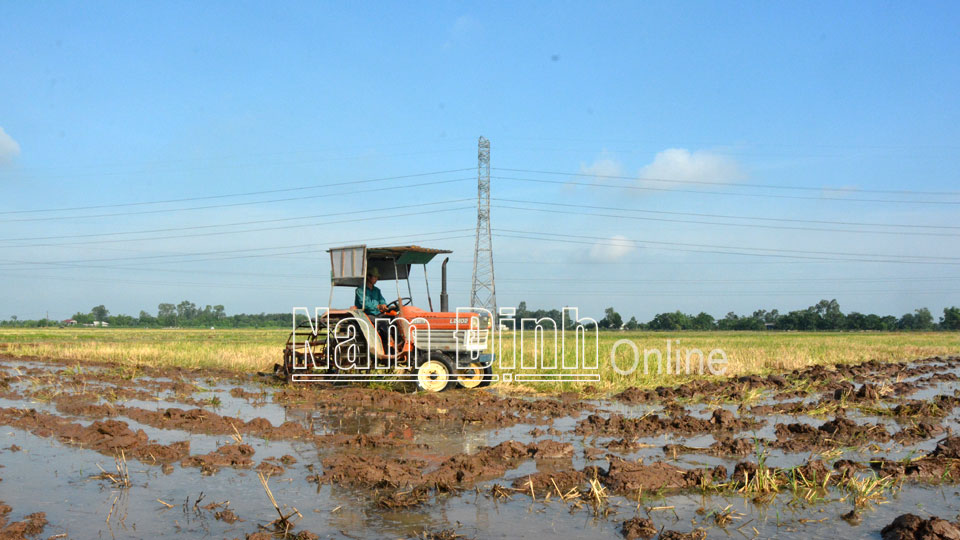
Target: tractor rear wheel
{"type": "Point", "coordinates": [435, 374]}
{"type": "Point", "coordinates": [475, 375]}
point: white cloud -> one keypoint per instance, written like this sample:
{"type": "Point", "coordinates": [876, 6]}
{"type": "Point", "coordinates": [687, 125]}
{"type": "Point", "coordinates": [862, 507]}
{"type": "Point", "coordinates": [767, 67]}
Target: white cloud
{"type": "Point", "coordinates": [699, 166]}
{"type": "Point", "coordinates": [615, 248]}
{"type": "Point", "coordinates": [9, 148]}
{"type": "Point", "coordinates": [605, 165]}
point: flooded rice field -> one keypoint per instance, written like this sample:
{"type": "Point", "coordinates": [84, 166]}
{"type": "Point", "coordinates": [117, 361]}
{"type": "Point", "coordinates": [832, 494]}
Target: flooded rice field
{"type": "Point", "coordinates": [101, 452]}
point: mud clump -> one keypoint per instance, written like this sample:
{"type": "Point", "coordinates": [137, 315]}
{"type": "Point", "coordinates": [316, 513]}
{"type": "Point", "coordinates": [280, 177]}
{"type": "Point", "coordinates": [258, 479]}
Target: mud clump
{"type": "Point", "coordinates": [866, 392]}
{"type": "Point", "coordinates": [837, 432]}
{"type": "Point", "coordinates": [227, 516]}
{"type": "Point", "coordinates": [369, 471]}
{"type": "Point", "coordinates": [488, 462]}
{"type": "Point", "coordinates": [593, 453]}
{"type": "Point", "coordinates": [478, 409]}
{"type": "Point", "coordinates": [107, 437]}
{"type": "Point", "coordinates": [846, 468]}
{"type": "Point", "coordinates": [616, 424]}
{"type": "Point", "coordinates": [31, 525]}
{"type": "Point", "coordinates": [696, 534]}
{"type": "Point", "coordinates": [638, 527]}
{"type": "Point", "coordinates": [723, 447]}
{"type": "Point", "coordinates": [550, 450]}
{"type": "Point", "coordinates": [240, 393]}
{"type": "Point", "coordinates": [202, 421]}
{"type": "Point", "coordinates": [269, 468]}
{"type": "Point", "coordinates": [943, 462]}
{"type": "Point", "coordinates": [268, 535]}
{"type": "Point", "coordinates": [624, 445]}
{"type": "Point", "coordinates": [162, 453]}
{"type": "Point", "coordinates": [937, 407]}
{"type": "Point", "coordinates": [933, 469]}
{"type": "Point", "coordinates": [229, 455]}
{"type": "Point", "coordinates": [362, 440]}
{"type": "Point", "coordinates": [373, 471]}
{"type": "Point", "coordinates": [948, 448]}
{"type": "Point", "coordinates": [628, 476]}
{"type": "Point", "coordinates": [912, 527]}
{"type": "Point", "coordinates": [404, 499]}
{"type": "Point", "coordinates": [919, 432]}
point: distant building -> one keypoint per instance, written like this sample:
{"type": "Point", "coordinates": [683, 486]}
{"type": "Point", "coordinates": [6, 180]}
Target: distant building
{"type": "Point", "coordinates": [69, 322]}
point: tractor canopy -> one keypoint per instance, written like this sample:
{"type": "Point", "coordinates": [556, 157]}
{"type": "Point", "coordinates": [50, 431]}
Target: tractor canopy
{"type": "Point", "coordinates": [349, 264]}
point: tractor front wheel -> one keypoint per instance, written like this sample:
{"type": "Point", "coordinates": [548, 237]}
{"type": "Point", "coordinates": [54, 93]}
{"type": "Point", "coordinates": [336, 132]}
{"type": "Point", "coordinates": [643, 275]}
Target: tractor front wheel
{"type": "Point", "coordinates": [434, 375]}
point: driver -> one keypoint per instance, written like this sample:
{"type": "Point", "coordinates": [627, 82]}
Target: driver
{"type": "Point", "coordinates": [374, 304]}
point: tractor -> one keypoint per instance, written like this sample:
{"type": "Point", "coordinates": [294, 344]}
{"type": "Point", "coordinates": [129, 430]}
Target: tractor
{"type": "Point", "coordinates": [435, 349]}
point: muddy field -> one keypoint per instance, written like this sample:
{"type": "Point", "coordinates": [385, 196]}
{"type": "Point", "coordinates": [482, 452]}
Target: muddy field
{"type": "Point", "coordinates": [860, 451]}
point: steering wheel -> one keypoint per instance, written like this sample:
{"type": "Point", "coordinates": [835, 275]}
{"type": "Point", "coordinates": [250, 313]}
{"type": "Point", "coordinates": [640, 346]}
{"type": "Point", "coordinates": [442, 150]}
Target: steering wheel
{"type": "Point", "coordinates": [406, 301]}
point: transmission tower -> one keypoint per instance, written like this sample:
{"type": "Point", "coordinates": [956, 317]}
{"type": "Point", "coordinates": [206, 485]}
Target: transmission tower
{"type": "Point", "coordinates": [484, 291]}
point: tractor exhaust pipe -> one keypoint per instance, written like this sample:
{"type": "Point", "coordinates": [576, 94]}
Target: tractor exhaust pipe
{"type": "Point", "coordinates": [444, 300]}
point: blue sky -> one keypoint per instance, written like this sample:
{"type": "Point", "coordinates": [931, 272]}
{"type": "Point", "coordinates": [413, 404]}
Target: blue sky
{"type": "Point", "coordinates": [113, 103]}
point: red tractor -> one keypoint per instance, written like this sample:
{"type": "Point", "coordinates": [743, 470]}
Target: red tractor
{"type": "Point", "coordinates": [434, 349]}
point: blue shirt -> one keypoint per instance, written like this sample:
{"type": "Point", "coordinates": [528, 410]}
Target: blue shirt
{"type": "Point", "coordinates": [374, 299]}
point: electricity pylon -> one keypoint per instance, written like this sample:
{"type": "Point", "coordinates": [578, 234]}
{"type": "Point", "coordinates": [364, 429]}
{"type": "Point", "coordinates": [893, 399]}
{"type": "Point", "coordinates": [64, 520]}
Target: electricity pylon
{"type": "Point", "coordinates": [483, 293]}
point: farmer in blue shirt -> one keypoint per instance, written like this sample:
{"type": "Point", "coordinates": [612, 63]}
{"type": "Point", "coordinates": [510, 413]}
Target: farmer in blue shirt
{"type": "Point", "coordinates": [374, 304]}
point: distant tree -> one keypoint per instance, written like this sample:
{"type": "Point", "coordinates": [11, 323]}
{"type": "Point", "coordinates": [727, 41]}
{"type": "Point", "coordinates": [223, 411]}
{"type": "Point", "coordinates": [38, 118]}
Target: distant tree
{"type": "Point", "coordinates": [186, 310]}
{"type": "Point", "coordinates": [829, 316]}
{"type": "Point", "coordinates": [99, 313]}
{"type": "Point", "coordinates": [121, 320]}
{"type": "Point", "coordinates": [888, 322]}
{"type": "Point", "coordinates": [950, 319]}
{"type": "Point", "coordinates": [923, 319]}
{"type": "Point", "coordinates": [735, 322]}
{"type": "Point", "coordinates": [632, 324]}
{"type": "Point", "coordinates": [920, 319]}
{"type": "Point", "coordinates": [82, 318]}
{"type": "Point", "coordinates": [146, 319]}
{"type": "Point", "coordinates": [166, 310]}
{"type": "Point", "coordinates": [611, 319]}
{"type": "Point", "coordinates": [167, 314]}
{"type": "Point", "coordinates": [669, 321]}
{"type": "Point", "coordinates": [703, 321]}
{"type": "Point", "coordinates": [614, 318]}
{"type": "Point", "coordinates": [855, 321]}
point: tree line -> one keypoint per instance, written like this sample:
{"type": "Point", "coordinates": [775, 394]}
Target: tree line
{"type": "Point", "coordinates": [824, 315]}
{"type": "Point", "coordinates": [186, 314]}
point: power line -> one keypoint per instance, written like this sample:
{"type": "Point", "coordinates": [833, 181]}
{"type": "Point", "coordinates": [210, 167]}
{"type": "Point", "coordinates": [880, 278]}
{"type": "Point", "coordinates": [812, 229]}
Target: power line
{"type": "Point", "coordinates": [737, 184]}
{"type": "Point", "coordinates": [673, 294]}
{"type": "Point", "coordinates": [728, 281]}
{"type": "Point", "coordinates": [782, 253]}
{"type": "Point", "coordinates": [726, 194]}
{"type": "Point", "coordinates": [227, 195]}
{"type": "Point", "coordinates": [248, 203]}
{"type": "Point", "coordinates": [720, 223]}
{"type": "Point", "coordinates": [232, 224]}
{"type": "Point", "coordinates": [775, 250]}
{"type": "Point", "coordinates": [260, 229]}
{"type": "Point", "coordinates": [725, 216]}
{"type": "Point", "coordinates": [231, 252]}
